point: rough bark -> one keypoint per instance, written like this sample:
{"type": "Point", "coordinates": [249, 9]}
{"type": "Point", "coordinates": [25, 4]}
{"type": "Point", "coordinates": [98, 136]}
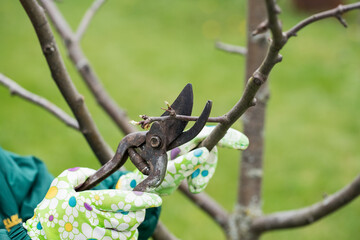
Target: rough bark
{"type": "Point", "coordinates": [250, 178]}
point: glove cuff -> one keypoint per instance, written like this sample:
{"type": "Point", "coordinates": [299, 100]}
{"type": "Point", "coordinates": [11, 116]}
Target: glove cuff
{"type": "Point", "coordinates": [18, 232]}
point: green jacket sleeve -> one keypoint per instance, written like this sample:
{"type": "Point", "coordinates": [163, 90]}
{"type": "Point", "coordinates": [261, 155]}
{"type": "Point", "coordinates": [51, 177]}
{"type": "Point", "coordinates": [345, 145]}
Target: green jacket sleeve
{"type": "Point", "coordinates": [24, 182]}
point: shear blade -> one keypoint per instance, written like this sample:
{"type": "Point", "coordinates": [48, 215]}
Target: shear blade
{"type": "Point", "coordinates": [182, 105]}
{"type": "Point", "coordinates": [195, 130]}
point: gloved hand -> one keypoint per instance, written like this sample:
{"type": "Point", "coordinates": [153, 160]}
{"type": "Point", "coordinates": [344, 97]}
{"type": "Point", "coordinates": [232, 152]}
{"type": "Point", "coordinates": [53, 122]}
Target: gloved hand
{"type": "Point", "coordinates": [197, 165]}
{"type": "Point", "coordinates": [93, 214]}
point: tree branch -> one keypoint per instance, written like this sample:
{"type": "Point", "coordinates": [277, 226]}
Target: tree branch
{"type": "Point", "coordinates": [84, 68]}
{"type": "Point", "coordinates": [162, 233]}
{"type": "Point", "coordinates": [16, 89]}
{"type": "Point", "coordinates": [308, 215]}
{"type": "Point", "coordinates": [247, 100]}
{"type": "Point", "coordinates": [209, 205]}
{"type": "Point", "coordinates": [87, 18]}
{"type": "Point", "coordinates": [279, 39]}
{"type": "Point", "coordinates": [254, 83]}
{"type": "Point", "coordinates": [273, 23]}
{"type": "Point", "coordinates": [63, 81]}
{"type": "Point", "coordinates": [231, 48]}
{"type": "Point", "coordinates": [336, 12]}
{"type": "Point", "coordinates": [316, 211]}
{"type": "Point", "coordinates": [148, 120]}
{"type": "Point", "coordinates": [260, 76]}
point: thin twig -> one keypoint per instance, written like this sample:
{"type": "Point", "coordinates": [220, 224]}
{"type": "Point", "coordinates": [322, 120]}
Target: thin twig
{"type": "Point", "coordinates": [16, 89]}
{"type": "Point", "coordinates": [231, 48]}
{"type": "Point", "coordinates": [261, 28]}
{"type": "Point", "coordinates": [83, 66]}
{"type": "Point", "coordinates": [336, 12]}
{"type": "Point", "coordinates": [148, 120]}
{"type": "Point", "coordinates": [62, 78]}
{"type": "Point", "coordinates": [209, 205]}
{"type": "Point", "coordinates": [85, 21]}
{"type": "Point", "coordinates": [308, 215]}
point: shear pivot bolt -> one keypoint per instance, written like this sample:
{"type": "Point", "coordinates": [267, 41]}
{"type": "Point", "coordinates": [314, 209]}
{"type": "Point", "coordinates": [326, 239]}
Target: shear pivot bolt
{"type": "Point", "coordinates": [155, 141]}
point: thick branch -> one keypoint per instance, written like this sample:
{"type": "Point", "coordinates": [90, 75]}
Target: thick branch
{"type": "Point", "coordinates": [210, 206]}
{"type": "Point", "coordinates": [308, 215]}
{"type": "Point", "coordinates": [84, 68]}
{"type": "Point", "coordinates": [231, 48]}
{"type": "Point", "coordinates": [336, 12]}
{"type": "Point", "coordinates": [87, 18]}
{"type": "Point", "coordinates": [249, 201]}
{"type": "Point", "coordinates": [247, 100]}
{"type": "Point", "coordinates": [16, 89]}
{"type": "Point", "coordinates": [63, 81]}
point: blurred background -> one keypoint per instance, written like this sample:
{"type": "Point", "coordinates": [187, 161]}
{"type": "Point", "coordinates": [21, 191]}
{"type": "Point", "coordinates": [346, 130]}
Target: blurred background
{"type": "Point", "coordinates": [146, 51]}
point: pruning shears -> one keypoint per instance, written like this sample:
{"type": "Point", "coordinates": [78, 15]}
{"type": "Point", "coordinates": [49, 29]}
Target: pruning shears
{"type": "Point", "coordinates": [147, 149]}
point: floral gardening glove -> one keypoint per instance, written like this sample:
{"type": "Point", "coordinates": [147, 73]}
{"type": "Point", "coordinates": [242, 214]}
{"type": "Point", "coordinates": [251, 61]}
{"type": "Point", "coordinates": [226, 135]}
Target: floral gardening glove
{"type": "Point", "coordinates": [94, 214]}
{"type": "Point", "coordinates": [197, 165]}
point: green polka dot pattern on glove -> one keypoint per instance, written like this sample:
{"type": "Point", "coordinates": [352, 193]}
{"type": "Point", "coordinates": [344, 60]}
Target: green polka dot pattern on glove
{"type": "Point", "coordinates": [101, 214]}
{"type": "Point", "coordinates": [200, 178]}
{"type": "Point", "coordinates": [197, 165]}
{"type": "Point", "coordinates": [233, 139]}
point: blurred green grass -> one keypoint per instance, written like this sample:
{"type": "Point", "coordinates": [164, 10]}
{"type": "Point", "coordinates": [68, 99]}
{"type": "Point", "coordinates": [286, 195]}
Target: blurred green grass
{"type": "Point", "coordinates": [146, 51]}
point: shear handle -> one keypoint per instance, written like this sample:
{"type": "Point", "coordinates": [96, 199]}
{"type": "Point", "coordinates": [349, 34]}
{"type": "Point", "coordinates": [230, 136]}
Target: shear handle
{"type": "Point", "coordinates": [130, 140]}
{"type": "Point", "coordinates": [140, 164]}
{"type": "Point", "coordinates": [156, 176]}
